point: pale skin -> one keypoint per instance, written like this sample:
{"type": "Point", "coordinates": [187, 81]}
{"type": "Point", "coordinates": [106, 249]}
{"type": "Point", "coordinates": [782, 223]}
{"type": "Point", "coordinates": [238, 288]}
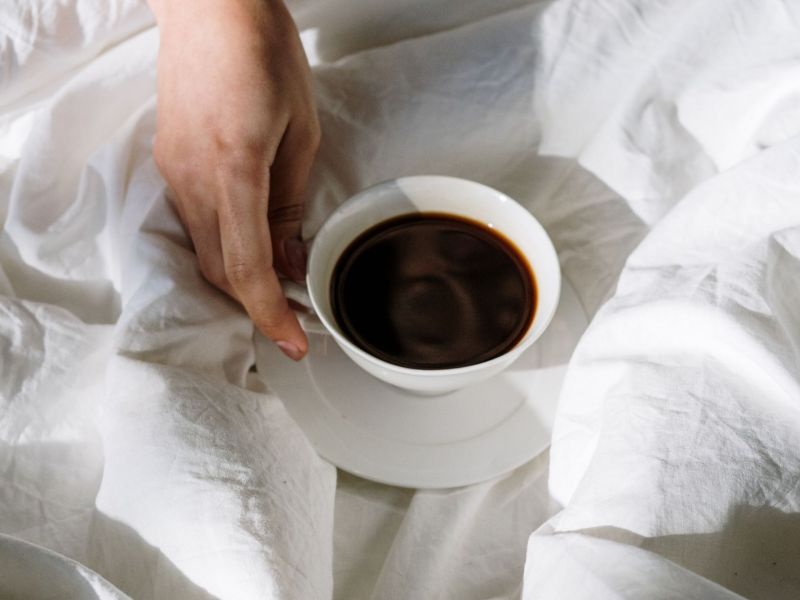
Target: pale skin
{"type": "Point", "coordinates": [236, 135]}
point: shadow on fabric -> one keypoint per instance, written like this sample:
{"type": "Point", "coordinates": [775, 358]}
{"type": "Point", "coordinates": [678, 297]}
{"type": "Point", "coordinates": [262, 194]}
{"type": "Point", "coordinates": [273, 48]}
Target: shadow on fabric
{"type": "Point", "coordinates": [123, 557]}
{"type": "Point", "coordinates": [756, 554]}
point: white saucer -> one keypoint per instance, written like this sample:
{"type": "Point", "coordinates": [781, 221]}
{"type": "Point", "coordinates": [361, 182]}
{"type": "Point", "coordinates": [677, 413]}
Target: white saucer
{"type": "Point", "coordinates": [378, 432]}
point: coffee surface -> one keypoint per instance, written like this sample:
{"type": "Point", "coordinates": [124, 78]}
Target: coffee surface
{"type": "Point", "coordinates": [433, 291]}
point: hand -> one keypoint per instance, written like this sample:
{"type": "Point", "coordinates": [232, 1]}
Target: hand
{"type": "Point", "coordinates": [237, 132]}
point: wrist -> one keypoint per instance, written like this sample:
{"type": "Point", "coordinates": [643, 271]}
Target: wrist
{"type": "Point", "coordinates": [164, 10]}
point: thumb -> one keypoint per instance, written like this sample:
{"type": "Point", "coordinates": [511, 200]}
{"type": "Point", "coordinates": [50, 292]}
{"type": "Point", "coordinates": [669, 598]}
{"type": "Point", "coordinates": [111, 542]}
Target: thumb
{"type": "Point", "coordinates": [289, 251]}
{"type": "Point", "coordinates": [289, 173]}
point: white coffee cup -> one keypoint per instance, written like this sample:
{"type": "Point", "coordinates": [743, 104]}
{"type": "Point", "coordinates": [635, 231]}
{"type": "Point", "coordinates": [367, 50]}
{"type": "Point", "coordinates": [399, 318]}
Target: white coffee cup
{"type": "Point", "coordinates": [424, 194]}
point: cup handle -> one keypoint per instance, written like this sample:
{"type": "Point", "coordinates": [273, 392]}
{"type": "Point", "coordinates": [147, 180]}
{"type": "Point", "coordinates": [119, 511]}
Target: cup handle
{"type": "Point", "coordinates": [306, 315]}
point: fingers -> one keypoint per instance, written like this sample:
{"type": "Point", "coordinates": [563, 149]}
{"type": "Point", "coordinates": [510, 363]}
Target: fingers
{"type": "Point", "coordinates": [290, 170]}
{"type": "Point", "coordinates": [239, 252]}
{"type": "Point", "coordinates": [203, 227]}
{"type": "Point", "coordinates": [247, 260]}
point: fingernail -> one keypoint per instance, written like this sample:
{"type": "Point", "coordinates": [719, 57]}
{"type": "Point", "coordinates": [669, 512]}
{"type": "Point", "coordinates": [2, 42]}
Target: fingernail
{"type": "Point", "coordinates": [290, 350]}
{"type": "Point", "coordinates": [295, 251]}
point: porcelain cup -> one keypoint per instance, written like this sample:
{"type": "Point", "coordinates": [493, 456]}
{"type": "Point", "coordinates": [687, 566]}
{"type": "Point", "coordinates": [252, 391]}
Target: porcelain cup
{"type": "Point", "coordinates": [423, 194]}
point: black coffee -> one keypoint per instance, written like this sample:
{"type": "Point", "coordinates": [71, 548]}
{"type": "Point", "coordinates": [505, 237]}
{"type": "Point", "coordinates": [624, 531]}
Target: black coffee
{"type": "Point", "coordinates": [433, 291]}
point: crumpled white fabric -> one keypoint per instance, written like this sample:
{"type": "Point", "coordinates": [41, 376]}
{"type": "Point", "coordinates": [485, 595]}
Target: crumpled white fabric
{"type": "Point", "coordinates": [30, 571]}
{"type": "Point", "coordinates": [677, 427]}
{"type": "Point", "coordinates": [657, 142]}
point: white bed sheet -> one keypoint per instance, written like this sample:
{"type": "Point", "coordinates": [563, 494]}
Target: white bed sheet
{"type": "Point", "coordinates": [658, 144]}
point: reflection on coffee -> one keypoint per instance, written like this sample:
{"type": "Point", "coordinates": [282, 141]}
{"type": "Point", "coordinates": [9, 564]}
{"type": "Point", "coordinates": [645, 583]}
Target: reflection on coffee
{"type": "Point", "coordinates": [433, 291]}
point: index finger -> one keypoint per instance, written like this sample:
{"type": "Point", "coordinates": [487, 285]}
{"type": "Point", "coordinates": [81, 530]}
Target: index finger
{"type": "Point", "coordinates": [248, 260]}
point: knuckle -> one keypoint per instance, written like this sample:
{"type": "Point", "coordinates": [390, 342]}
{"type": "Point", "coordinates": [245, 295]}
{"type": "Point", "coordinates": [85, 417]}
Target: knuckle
{"type": "Point", "coordinates": [285, 213]}
{"type": "Point", "coordinates": [241, 272]}
{"type": "Point", "coordinates": [243, 145]}
{"type": "Point", "coordinates": [170, 162]}
{"type": "Point", "coordinates": [256, 146]}
{"type": "Point", "coordinates": [311, 135]}
{"type": "Point", "coordinates": [177, 172]}
{"type": "Point", "coordinates": [269, 314]}
{"type": "Point", "coordinates": [268, 319]}
{"type": "Point", "coordinates": [213, 272]}
{"type": "Point", "coordinates": [182, 173]}
{"type": "Point", "coordinates": [242, 165]}
{"type": "Point", "coordinates": [159, 156]}
{"type": "Point", "coordinates": [316, 135]}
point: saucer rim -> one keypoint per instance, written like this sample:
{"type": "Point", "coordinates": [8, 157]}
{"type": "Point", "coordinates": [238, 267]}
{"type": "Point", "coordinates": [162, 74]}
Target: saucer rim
{"type": "Point", "coordinates": [333, 446]}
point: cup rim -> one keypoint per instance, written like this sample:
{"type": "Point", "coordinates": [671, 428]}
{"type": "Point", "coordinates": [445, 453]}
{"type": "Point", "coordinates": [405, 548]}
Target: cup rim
{"type": "Point", "coordinates": [511, 354]}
